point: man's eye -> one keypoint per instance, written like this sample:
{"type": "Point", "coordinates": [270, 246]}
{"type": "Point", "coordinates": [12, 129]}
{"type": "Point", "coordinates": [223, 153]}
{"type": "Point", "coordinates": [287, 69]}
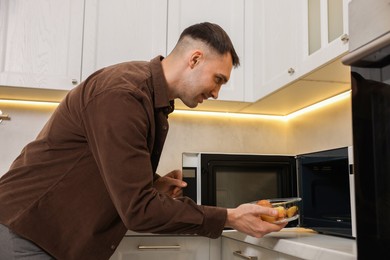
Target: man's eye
{"type": "Point", "coordinates": [218, 80]}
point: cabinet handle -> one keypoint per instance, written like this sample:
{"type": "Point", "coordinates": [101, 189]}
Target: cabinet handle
{"type": "Point", "coordinates": [291, 71]}
{"type": "Point", "coordinates": [238, 253]}
{"type": "Point", "coordinates": [141, 247]}
{"type": "Point", "coordinates": [4, 117]}
{"type": "Point", "coordinates": [75, 81]}
{"type": "Point", "coordinates": [344, 38]}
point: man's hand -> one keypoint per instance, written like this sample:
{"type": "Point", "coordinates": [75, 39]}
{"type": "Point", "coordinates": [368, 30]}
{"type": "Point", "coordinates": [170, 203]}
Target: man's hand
{"type": "Point", "coordinates": [245, 218]}
{"type": "Point", "coordinates": [171, 184]}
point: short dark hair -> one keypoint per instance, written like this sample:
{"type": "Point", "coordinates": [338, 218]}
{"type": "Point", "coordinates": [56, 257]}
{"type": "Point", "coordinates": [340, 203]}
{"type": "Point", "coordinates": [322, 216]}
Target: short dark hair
{"type": "Point", "coordinates": [214, 36]}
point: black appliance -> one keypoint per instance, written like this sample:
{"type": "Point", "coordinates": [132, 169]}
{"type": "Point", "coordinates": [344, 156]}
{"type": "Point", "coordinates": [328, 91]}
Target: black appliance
{"type": "Point", "coordinates": [370, 76]}
{"type": "Point", "coordinates": [369, 59]}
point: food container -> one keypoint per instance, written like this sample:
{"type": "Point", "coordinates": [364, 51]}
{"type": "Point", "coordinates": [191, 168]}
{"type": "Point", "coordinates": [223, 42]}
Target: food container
{"type": "Point", "coordinates": [288, 209]}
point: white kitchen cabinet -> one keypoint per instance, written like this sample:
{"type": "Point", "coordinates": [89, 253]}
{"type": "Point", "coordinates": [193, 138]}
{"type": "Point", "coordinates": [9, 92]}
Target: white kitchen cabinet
{"type": "Point", "coordinates": [236, 250]}
{"type": "Point", "coordinates": [41, 43]}
{"type": "Point", "coordinates": [164, 247]}
{"type": "Point", "coordinates": [229, 14]}
{"type": "Point", "coordinates": [327, 33]}
{"type": "Point", "coordinates": [274, 45]}
{"type": "Point", "coordinates": [49, 44]}
{"type": "Point", "coordinates": [286, 40]}
{"type": "Point", "coordinates": [122, 30]}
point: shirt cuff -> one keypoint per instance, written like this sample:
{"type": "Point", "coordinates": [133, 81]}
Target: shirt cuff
{"type": "Point", "coordinates": [213, 222]}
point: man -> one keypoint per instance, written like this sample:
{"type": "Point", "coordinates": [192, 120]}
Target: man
{"type": "Point", "coordinates": [90, 174]}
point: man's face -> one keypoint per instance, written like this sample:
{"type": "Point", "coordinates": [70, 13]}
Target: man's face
{"type": "Point", "coordinates": [205, 78]}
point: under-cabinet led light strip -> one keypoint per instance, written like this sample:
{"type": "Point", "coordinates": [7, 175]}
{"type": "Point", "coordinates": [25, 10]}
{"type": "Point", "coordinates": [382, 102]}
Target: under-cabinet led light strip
{"type": "Point", "coordinates": [315, 106]}
{"type": "Point", "coordinates": [225, 114]}
{"type": "Point", "coordinates": [299, 112]}
{"type": "Point", "coordinates": [320, 104]}
{"type": "Point", "coordinates": [28, 102]}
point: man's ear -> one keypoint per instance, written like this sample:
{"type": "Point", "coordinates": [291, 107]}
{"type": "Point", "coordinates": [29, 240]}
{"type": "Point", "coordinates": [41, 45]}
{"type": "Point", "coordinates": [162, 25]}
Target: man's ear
{"type": "Point", "coordinates": [195, 58]}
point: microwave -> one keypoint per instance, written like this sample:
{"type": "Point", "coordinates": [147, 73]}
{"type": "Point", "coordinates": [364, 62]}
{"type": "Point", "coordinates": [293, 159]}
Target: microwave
{"type": "Point", "coordinates": [228, 180]}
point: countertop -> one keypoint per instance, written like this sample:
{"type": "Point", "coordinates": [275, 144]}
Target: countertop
{"type": "Point", "coordinates": [302, 243]}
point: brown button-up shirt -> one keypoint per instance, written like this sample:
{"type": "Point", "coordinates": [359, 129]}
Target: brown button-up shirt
{"type": "Point", "coordinates": [88, 176]}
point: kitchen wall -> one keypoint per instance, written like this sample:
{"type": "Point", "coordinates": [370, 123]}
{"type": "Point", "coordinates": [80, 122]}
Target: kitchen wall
{"type": "Point", "coordinates": [329, 127]}
{"type": "Point", "coordinates": [226, 135]}
{"type": "Point", "coordinates": [325, 128]}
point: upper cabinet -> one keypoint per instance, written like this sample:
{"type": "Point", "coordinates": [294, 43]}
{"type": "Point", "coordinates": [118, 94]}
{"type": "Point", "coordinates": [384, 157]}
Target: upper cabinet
{"type": "Point", "coordinates": [327, 28]}
{"type": "Point", "coordinates": [123, 30]}
{"type": "Point", "coordinates": [56, 44]}
{"type": "Point", "coordinates": [286, 40]}
{"type": "Point", "coordinates": [275, 44]}
{"type": "Point", "coordinates": [41, 43]}
{"type": "Point", "coordinates": [51, 44]}
{"type": "Point", "coordinates": [229, 14]}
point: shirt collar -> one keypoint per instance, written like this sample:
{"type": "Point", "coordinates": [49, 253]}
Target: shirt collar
{"type": "Point", "coordinates": [160, 86]}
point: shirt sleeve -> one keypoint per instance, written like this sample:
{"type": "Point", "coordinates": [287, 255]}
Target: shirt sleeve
{"type": "Point", "coordinates": [118, 130]}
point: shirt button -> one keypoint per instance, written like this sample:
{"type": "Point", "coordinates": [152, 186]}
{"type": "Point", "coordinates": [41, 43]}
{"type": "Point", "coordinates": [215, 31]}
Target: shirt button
{"type": "Point", "coordinates": [113, 247]}
{"type": "Point", "coordinates": [165, 127]}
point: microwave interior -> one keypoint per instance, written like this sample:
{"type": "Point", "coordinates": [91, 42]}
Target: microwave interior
{"type": "Point", "coordinates": [231, 180]}
{"type": "Point", "coordinates": [259, 183]}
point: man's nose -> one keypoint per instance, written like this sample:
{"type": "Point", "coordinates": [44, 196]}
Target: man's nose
{"type": "Point", "coordinates": [214, 92]}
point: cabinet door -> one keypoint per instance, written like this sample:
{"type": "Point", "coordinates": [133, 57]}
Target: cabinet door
{"type": "Point", "coordinates": [327, 32]}
{"type": "Point", "coordinates": [41, 43]}
{"type": "Point", "coordinates": [287, 40]}
{"type": "Point", "coordinates": [275, 44]}
{"type": "Point", "coordinates": [123, 30]}
{"type": "Point", "coordinates": [229, 14]}
{"type": "Point", "coordinates": [157, 247]}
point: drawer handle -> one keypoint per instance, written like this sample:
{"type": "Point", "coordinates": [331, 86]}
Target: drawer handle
{"type": "Point", "coordinates": [238, 253]}
{"type": "Point", "coordinates": [141, 247]}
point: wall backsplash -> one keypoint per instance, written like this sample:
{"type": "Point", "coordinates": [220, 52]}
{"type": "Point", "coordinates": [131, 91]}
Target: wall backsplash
{"type": "Point", "coordinates": [224, 135]}
{"type": "Point", "coordinates": [329, 127]}
{"type": "Point", "coordinates": [326, 128]}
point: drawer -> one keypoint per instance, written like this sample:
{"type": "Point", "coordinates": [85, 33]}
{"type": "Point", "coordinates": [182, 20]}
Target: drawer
{"type": "Point", "coordinates": [163, 247]}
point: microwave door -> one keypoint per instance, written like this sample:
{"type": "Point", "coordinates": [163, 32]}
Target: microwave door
{"type": "Point", "coordinates": [324, 179]}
